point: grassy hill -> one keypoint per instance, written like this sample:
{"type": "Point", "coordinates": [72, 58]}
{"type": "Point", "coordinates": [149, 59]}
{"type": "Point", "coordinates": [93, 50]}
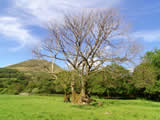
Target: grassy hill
{"type": "Point", "coordinates": [35, 65]}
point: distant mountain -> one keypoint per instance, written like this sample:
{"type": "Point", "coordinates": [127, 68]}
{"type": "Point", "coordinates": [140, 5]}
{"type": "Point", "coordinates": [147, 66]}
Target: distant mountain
{"type": "Point", "coordinates": [35, 65]}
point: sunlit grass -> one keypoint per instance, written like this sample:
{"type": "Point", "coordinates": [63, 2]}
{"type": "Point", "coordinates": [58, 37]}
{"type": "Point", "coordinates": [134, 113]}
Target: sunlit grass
{"type": "Point", "coordinates": [53, 108]}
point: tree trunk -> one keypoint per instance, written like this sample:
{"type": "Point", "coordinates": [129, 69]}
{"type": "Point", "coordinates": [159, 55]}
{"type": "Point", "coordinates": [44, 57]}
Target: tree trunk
{"type": "Point", "coordinates": [81, 98]}
{"type": "Point", "coordinates": [75, 96]}
{"type": "Point", "coordinates": [83, 89]}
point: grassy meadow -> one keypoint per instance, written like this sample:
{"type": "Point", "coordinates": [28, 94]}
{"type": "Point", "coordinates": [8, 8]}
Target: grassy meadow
{"type": "Point", "coordinates": [53, 108]}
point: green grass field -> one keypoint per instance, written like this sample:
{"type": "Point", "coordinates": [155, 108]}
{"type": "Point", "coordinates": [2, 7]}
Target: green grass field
{"type": "Point", "coordinates": [53, 108]}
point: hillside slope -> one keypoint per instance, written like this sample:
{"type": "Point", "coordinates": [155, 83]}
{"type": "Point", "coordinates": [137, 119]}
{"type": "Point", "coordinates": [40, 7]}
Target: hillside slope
{"type": "Point", "coordinates": [35, 65]}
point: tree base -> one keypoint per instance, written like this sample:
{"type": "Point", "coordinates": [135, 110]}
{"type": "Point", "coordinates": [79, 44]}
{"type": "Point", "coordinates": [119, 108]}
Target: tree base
{"type": "Point", "coordinates": [79, 99]}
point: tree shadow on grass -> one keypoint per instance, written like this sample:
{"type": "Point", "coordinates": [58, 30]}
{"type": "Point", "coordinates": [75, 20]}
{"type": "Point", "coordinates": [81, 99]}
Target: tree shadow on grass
{"type": "Point", "coordinates": [92, 105]}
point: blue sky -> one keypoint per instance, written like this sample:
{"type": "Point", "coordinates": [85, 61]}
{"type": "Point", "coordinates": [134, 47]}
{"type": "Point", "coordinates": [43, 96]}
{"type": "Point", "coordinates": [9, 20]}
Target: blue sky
{"type": "Point", "coordinates": [22, 22]}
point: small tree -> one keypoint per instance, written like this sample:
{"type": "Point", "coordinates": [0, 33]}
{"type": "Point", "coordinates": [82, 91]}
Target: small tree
{"type": "Point", "coordinates": [111, 80]}
{"type": "Point", "coordinates": [144, 76]}
{"type": "Point", "coordinates": [87, 42]}
{"type": "Point", "coordinates": [153, 57]}
{"type": "Point", "coordinates": [151, 67]}
{"type": "Point", "coordinates": [63, 81]}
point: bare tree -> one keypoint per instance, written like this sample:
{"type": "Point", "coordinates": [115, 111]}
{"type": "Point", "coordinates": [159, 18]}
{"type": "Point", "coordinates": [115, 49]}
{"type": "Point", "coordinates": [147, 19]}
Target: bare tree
{"type": "Point", "coordinates": [87, 42]}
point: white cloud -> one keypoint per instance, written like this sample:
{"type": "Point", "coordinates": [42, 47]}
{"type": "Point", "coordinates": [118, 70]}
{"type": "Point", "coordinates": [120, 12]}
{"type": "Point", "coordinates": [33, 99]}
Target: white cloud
{"type": "Point", "coordinates": [45, 10]}
{"type": "Point", "coordinates": [24, 13]}
{"type": "Point", "coordinates": [10, 27]}
{"type": "Point", "coordinates": [148, 36]}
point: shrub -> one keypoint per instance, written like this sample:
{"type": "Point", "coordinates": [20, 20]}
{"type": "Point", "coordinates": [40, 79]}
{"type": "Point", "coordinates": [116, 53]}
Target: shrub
{"type": "Point", "coordinates": [35, 91]}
